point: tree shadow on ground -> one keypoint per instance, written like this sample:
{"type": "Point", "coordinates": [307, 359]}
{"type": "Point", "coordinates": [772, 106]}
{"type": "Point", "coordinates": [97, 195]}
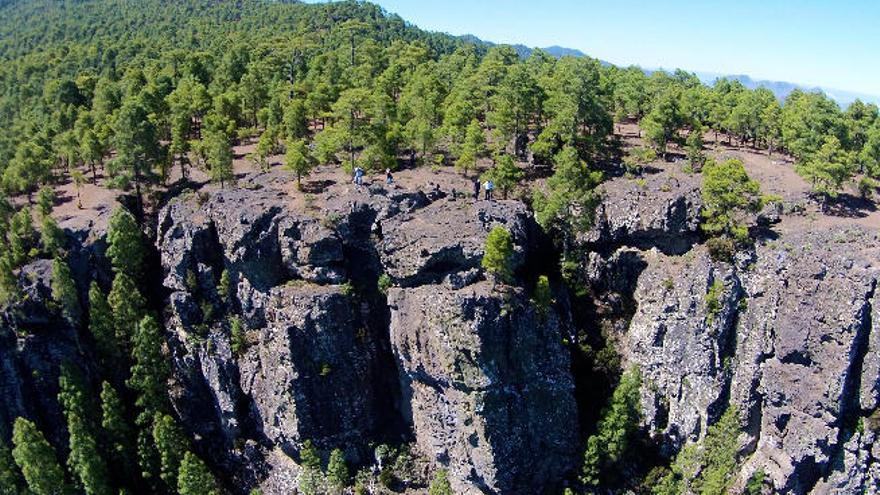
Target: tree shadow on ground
{"type": "Point", "coordinates": [846, 205]}
{"type": "Point", "coordinates": [316, 186]}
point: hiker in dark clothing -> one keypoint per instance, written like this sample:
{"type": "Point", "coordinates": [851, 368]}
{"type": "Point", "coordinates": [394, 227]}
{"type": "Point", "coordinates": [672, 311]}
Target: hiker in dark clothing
{"type": "Point", "coordinates": [476, 189]}
{"type": "Point", "coordinates": [388, 178]}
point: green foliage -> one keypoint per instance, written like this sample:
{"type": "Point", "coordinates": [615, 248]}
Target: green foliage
{"type": "Point", "coordinates": [299, 159]}
{"type": "Point", "coordinates": [708, 467]}
{"type": "Point", "coordinates": [713, 299]}
{"type": "Point", "coordinates": [543, 296]}
{"type": "Point", "coordinates": [52, 237]}
{"type": "Point", "coordinates": [309, 457]}
{"type": "Point", "coordinates": [440, 484]}
{"type": "Point", "coordinates": [828, 168]}
{"type": "Point", "coordinates": [20, 237]}
{"type": "Point", "coordinates": [505, 174]}
{"type": "Point", "coordinates": [85, 460]}
{"type": "Point", "coordinates": [171, 444]}
{"type": "Point", "coordinates": [570, 199]}
{"type": "Point", "coordinates": [729, 194]}
{"type": "Point", "coordinates": [619, 422]}
{"type": "Point", "coordinates": [663, 122]}
{"type": "Point", "coordinates": [64, 291]}
{"type": "Point", "coordinates": [195, 478]}
{"type": "Point", "coordinates": [224, 290]}
{"type": "Point", "coordinates": [498, 258]}
{"type": "Point", "coordinates": [637, 158]}
{"type": "Point", "coordinates": [36, 459]}
{"type": "Point", "coordinates": [45, 201]}
{"type": "Point", "coordinates": [694, 148]}
{"type": "Point", "coordinates": [755, 484]}
{"type": "Point", "coordinates": [218, 157]}
{"type": "Point", "coordinates": [11, 482]}
{"type": "Point", "coordinates": [337, 470]}
{"type": "Point", "coordinates": [237, 338]}
{"type": "Point", "coordinates": [102, 325]}
{"type": "Point", "coordinates": [384, 283]}
{"type": "Point", "coordinates": [128, 308]}
{"type": "Point", "coordinates": [125, 244]}
{"type": "Point", "coordinates": [119, 435]}
{"type": "Point", "coordinates": [150, 370]}
{"type": "Point", "coordinates": [473, 147]}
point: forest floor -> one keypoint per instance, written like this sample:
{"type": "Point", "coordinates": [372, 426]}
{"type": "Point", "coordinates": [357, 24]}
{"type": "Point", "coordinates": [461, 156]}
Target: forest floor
{"type": "Point", "coordinates": [775, 173]}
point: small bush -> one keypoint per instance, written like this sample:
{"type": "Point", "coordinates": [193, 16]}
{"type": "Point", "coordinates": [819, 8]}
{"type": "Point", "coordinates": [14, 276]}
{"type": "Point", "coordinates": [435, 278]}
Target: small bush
{"type": "Point", "coordinates": [543, 296]}
{"type": "Point", "coordinates": [440, 485]}
{"type": "Point", "coordinates": [384, 283]}
{"type": "Point", "coordinates": [721, 249]}
{"type": "Point", "coordinates": [713, 299]}
{"type": "Point", "coordinates": [237, 338]}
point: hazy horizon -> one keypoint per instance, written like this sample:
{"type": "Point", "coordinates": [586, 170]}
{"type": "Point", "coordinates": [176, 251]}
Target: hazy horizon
{"type": "Point", "coordinates": [766, 40]}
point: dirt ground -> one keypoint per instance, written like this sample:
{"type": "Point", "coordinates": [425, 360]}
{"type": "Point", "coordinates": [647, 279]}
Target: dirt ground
{"type": "Point", "coordinates": [775, 174]}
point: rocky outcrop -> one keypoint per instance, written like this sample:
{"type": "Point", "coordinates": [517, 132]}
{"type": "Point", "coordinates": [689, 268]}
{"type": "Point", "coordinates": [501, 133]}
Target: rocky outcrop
{"type": "Point", "coordinates": [786, 342]}
{"type": "Point", "coordinates": [681, 340]}
{"type": "Point", "coordinates": [484, 386]}
{"type": "Point", "coordinates": [490, 392]}
{"type": "Point", "coordinates": [657, 210]}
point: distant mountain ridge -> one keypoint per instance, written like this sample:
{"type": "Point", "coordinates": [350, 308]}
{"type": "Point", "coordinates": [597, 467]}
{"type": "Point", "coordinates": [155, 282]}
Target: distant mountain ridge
{"type": "Point", "coordinates": [780, 89]}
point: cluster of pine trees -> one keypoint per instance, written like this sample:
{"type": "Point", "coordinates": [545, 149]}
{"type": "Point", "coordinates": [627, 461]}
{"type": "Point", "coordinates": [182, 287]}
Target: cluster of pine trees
{"type": "Point", "coordinates": [121, 433]}
{"type": "Point", "coordinates": [121, 93]}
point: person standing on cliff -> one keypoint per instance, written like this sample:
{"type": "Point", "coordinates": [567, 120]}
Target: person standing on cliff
{"type": "Point", "coordinates": [476, 189]}
{"type": "Point", "coordinates": [489, 188]}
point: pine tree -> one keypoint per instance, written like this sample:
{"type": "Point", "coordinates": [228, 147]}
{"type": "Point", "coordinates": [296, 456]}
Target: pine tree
{"type": "Point", "coordinates": [21, 236]}
{"type": "Point", "coordinates": [103, 326]}
{"type": "Point", "coordinates": [11, 482]}
{"type": "Point", "coordinates": [171, 444]}
{"type": "Point", "coordinates": [36, 459]}
{"type": "Point", "coordinates": [149, 375]}
{"type": "Point", "coordinates": [499, 252]}
{"type": "Point", "coordinates": [52, 237]}
{"type": "Point", "coordinates": [126, 248]}
{"type": "Point", "coordinates": [45, 201]}
{"type": "Point", "coordinates": [195, 478]}
{"type": "Point", "coordinates": [128, 309]}
{"type": "Point", "coordinates": [85, 460]}
{"type": "Point", "coordinates": [218, 155]}
{"type": "Point", "coordinates": [150, 370]}
{"type": "Point", "coordinates": [64, 291]}
{"type": "Point", "coordinates": [117, 429]}
{"type": "Point", "coordinates": [299, 159]}
{"type": "Point", "coordinates": [337, 470]}
{"type": "Point", "coordinates": [9, 290]}
{"type": "Point", "coordinates": [225, 288]}
{"type": "Point", "coordinates": [473, 148]}
{"type": "Point", "coordinates": [505, 174]}
{"type": "Point", "coordinates": [309, 457]}
{"type": "Point", "coordinates": [618, 423]}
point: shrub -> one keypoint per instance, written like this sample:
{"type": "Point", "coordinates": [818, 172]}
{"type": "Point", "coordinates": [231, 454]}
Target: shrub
{"type": "Point", "coordinates": [237, 337]}
{"type": "Point", "coordinates": [384, 283]}
{"type": "Point", "coordinates": [721, 248]}
{"type": "Point", "coordinates": [713, 299]}
{"type": "Point", "coordinates": [440, 485]}
{"type": "Point", "coordinates": [543, 296]}
{"type": "Point", "coordinates": [498, 259]}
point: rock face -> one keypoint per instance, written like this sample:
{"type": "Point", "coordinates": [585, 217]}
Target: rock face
{"type": "Point", "coordinates": [659, 210]}
{"type": "Point", "coordinates": [483, 388]}
{"type": "Point", "coordinates": [786, 342]}
{"type": "Point", "coordinates": [491, 394]}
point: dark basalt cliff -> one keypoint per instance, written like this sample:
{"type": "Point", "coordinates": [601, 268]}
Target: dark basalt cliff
{"type": "Point", "coordinates": [369, 320]}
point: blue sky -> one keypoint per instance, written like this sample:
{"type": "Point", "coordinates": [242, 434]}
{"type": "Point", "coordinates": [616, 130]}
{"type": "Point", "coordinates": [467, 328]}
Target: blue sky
{"type": "Point", "coordinates": [826, 43]}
